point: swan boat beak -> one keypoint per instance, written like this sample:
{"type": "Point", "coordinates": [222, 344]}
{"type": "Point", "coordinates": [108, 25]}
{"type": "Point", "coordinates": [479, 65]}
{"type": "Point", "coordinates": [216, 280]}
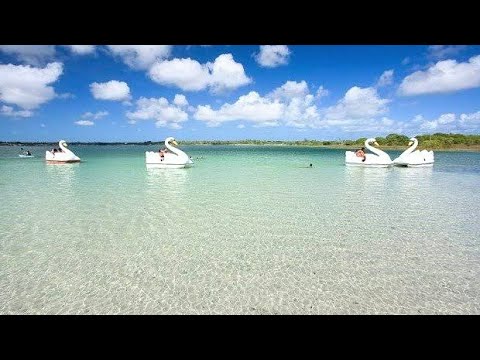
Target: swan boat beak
{"type": "Point", "coordinates": [174, 143]}
{"type": "Point", "coordinates": [410, 143]}
{"type": "Point", "coordinates": [376, 143]}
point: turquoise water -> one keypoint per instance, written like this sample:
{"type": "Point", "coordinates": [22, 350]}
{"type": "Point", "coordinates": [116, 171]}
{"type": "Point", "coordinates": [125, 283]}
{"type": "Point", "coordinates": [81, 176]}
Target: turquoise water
{"type": "Point", "coordinates": [248, 230]}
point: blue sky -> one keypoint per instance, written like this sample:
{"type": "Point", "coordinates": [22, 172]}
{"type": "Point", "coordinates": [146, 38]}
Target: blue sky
{"type": "Point", "coordinates": [284, 92]}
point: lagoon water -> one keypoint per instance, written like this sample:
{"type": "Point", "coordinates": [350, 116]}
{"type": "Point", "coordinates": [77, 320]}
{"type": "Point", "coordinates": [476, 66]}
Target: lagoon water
{"type": "Point", "coordinates": [248, 230]}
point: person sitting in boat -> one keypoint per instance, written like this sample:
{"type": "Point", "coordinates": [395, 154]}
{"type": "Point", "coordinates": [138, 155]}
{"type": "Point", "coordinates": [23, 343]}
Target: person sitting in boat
{"type": "Point", "coordinates": [29, 153]}
{"type": "Point", "coordinates": [162, 154]}
{"type": "Point", "coordinates": [361, 153]}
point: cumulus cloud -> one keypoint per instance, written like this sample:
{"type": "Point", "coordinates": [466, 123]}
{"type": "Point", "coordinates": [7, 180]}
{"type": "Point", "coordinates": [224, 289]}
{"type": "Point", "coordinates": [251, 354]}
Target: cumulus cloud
{"type": "Point", "coordinates": [445, 76]}
{"type": "Point", "coordinates": [81, 49]}
{"type": "Point", "coordinates": [290, 90]}
{"type": "Point", "coordinates": [385, 79]}
{"type": "Point", "coordinates": [443, 51]}
{"type": "Point", "coordinates": [35, 55]}
{"type": "Point", "coordinates": [189, 75]}
{"type": "Point", "coordinates": [292, 104]}
{"type": "Point", "coordinates": [273, 55]}
{"type": "Point", "coordinates": [112, 90]}
{"type": "Point", "coordinates": [164, 114]}
{"type": "Point", "coordinates": [358, 103]}
{"type": "Point", "coordinates": [251, 107]}
{"type": "Point", "coordinates": [27, 86]}
{"type": "Point", "coordinates": [84, 123]}
{"type": "Point", "coordinates": [9, 111]}
{"type": "Point", "coordinates": [450, 122]}
{"type": "Point", "coordinates": [140, 56]}
{"type": "Point", "coordinates": [180, 100]}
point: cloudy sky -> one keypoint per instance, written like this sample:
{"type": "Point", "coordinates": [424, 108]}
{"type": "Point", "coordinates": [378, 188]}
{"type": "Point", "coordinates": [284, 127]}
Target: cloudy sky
{"type": "Point", "coordinates": [149, 92]}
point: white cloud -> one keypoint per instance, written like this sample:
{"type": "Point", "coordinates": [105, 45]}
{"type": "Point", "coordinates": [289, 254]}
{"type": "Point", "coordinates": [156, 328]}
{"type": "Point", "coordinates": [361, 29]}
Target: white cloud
{"type": "Point", "coordinates": [141, 56]}
{"type": "Point", "coordinates": [9, 111]}
{"type": "Point", "coordinates": [450, 122]}
{"type": "Point", "coordinates": [251, 107]}
{"type": "Point", "coordinates": [446, 118]}
{"type": "Point", "coordinates": [180, 100]}
{"type": "Point", "coordinates": [189, 75]}
{"type": "Point", "coordinates": [406, 61]}
{"type": "Point", "coordinates": [43, 125]}
{"type": "Point", "coordinates": [112, 90]}
{"type": "Point", "coordinates": [240, 126]}
{"type": "Point", "coordinates": [322, 92]}
{"type": "Point", "coordinates": [443, 51]}
{"type": "Point", "coordinates": [293, 105]}
{"type": "Point", "coordinates": [81, 49]}
{"type": "Point", "coordinates": [66, 96]}
{"type": "Point", "coordinates": [385, 79]}
{"type": "Point", "coordinates": [84, 123]}
{"type": "Point", "coordinates": [445, 76]}
{"type": "Point", "coordinates": [273, 55]}
{"type": "Point", "coordinates": [160, 110]}
{"type": "Point", "coordinates": [358, 103]}
{"type": "Point", "coordinates": [94, 116]}
{"type": "Point", "coordinates": [474, 117]}
{"type": "Point", "coordinates": [35, 55]}
{"type": "Point", "coordinates": [27, 86]}
{"type": "Point", "coordinates": [290, 90]}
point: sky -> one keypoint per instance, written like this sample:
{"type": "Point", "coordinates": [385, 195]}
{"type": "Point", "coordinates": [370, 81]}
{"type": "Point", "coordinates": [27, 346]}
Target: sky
{"type": "Point", "coordinates": [232, 92]}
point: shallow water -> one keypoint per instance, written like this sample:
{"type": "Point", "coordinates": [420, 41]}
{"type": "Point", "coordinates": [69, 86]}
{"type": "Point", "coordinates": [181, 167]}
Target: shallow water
{"type": "Point", "coordinates": [248, 230]}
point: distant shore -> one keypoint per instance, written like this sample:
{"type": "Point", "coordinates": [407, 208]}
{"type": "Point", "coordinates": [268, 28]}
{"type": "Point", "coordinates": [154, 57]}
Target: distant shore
{"type": "Point", "coordinates": [453, 147]}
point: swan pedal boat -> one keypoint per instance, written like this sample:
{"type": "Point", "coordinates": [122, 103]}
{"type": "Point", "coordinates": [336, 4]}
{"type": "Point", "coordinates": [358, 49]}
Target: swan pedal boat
{"type": "Point", "coordinates": [26, 156]}
{"type": "Point", "coordinates": [66, 156]}
{"type": "Point", "coordinates": [379, 158]}
{"type": "Point", "coordinates": [411, 158]}
{"type": "Point", "coordinates": [175, 159]}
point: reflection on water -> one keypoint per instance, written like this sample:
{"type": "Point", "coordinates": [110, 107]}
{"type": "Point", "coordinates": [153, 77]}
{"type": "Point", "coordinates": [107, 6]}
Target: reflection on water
{"type": "Point", "coordinates": [61, 178]}
{"type": "Point", "coordinates": [166, 181]}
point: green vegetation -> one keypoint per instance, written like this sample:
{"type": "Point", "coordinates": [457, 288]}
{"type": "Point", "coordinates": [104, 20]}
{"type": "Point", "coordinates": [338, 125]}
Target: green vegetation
{"type": "Point", "coordinates": [431, 142]}
{"type": "Point", "coordinates": [434, 141]}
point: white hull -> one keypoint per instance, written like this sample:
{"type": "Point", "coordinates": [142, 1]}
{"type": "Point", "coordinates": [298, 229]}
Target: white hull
{"type": "Point", "coordinates": [62, 161]}
{"type": "Point", "coordinates": [172, 159]}
{"type": "Point", "coordinates": [167, 166]}
{"type": "Point", "coordinates": [26, 156]}
{"type": "Point", "coordinates": [367, 165]}
{"type": "Point", "coordinates": [61, 157]}
{"type": "Point", "coordinates": [414, 165]}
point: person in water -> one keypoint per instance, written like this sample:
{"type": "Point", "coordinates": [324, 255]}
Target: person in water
{"type": "Point", "coordinates": [311, 165]}
{"type": "Point", "coordinates": [361, 153]}
{"type": "Point", "coordinates": [29, 153]}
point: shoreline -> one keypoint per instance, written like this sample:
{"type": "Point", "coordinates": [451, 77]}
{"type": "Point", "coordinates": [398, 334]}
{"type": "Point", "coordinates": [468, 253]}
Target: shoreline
{"type": "Point", "coordinates": [473, 148]}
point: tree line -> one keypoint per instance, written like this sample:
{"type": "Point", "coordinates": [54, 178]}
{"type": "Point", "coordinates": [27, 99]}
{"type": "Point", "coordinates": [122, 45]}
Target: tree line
{"type": "Point", "coordinates": [430, 141]}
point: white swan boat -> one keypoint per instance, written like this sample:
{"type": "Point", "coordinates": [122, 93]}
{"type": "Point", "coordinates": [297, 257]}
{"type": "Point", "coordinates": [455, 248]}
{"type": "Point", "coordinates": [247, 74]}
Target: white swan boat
{"type": "Point", "coordinates": [65, 156]}
{"type": "Point", "coordinates": [415, 158]}
{"type": "Point", "coordinates": [379, 158]}
{"type": "Point", "coordinates": [174, 159]}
